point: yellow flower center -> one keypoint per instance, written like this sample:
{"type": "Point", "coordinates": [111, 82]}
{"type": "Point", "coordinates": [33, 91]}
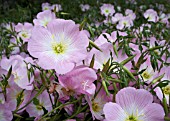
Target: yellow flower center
{"type": "Point", "coordinates": [107, 11]}
{"type": "Point", "coordinates": [146, 75]}
{"type": "Point", "coordinates": [59, 48]}
{"type": "Point", "coordinates": [95, 107]}
{"type": "Point", "coordinates": [39, 107]}
{"type": "Point", "coordinates": [166, 90]}
{"type": "Point", "coordinates": [132, 118]}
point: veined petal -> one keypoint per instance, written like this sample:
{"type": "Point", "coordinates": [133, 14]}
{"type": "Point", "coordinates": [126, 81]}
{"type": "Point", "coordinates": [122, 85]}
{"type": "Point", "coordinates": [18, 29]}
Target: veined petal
{"type": "Point", "coordinates": [113, 112]}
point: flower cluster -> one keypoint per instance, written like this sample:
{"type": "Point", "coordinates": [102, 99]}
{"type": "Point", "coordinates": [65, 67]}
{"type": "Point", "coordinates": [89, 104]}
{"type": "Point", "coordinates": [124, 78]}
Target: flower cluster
{"type": "Point", "coordinates": [115, 69]}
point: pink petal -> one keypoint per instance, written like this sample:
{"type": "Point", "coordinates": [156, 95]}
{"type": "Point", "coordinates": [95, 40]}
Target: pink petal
{"type": "Point", "coordinates": [113, 112]}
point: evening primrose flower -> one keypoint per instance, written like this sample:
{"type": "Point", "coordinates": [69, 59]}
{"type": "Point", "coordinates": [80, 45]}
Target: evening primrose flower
{"type": "Point", "coordinates": [124, 22]}
{"type": "Point", "coordinates": [79, 80]}
{"type": "Point", "coordinates": [148, 74]}
{"type": "Point", "coordinates": [56, 7]}
{"type": "Point", "coordinates": [24, 31]}
{"type": "Point", "coordinates": [165, 90]}
{"type": "Point", "coordinates": [46, 6]}
{"type": "Point", "coordinates": [19, 71]}
{"type": "Point", "coordinates": [97, 103]}
{"type": "Point", "coordinates": [84, 7]}
{"type": "Point", "coordinates": [42, 101]}
{"type": "Point", "coordinates": [133, 105]}
{"type": "Point", "coordinates": [59, 46]}
{"type": "Point", "coordinates": [151, 15]}
{"type": "Point", "coordinates": [43, 18]}
{"type": "Point", "coordinates": [107, 10]}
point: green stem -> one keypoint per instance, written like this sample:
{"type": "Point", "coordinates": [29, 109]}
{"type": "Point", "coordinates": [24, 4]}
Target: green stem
{"type": "Point", "coordinates": [61, 106]}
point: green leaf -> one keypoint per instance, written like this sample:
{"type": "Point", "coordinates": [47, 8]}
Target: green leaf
{"type": "Point", "coordinates": [128, 72]}
{"type": "Point", "coordinates": [115, 49]}
{"type": "Point", "coordinates": [106, 66]}
{"type": "Point", "coordinates": [127, 60]}
{"type": "Point", "coordinates": [94, 45]}
{"type": "Point", "coordinates": [92, 62]}
{"type": "Point", "coordinates": [9, 73]}
{"type": "Point", "coordinates": [82, 24]}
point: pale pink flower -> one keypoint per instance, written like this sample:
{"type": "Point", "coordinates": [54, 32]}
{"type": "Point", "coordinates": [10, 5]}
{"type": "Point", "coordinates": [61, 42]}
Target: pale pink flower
{"type": "Point", "coordinates": [165, 91]}
{"type": "Point", "coordinates": [59, 46]}
{"type": "Point", "coordinates": [13, 94]}
{"type": "Point", "coordinates": [107, 10]}
{"type": "Point", "coordinates": [36, 110]}
{"type": "Point", "coordinates": [133, 104]}
{"type": "Point", "coordinates": [101, 58]}
{"type": "Point", "coordinates": [43, 18]}
{"type": "Point", "coordinates": [151, 15]}
{"type": "Point", "coordinates": [102, 39]}
{"type": "Point", "coordinates": [79, 80]}
{"type": "Point", "coordinates": [46, 6]}
{"type": "Point", "coordinates": [117, 17]}
{"type": "Point", "coordinates": [96, 104]}
{"type": "Point", "coordinates": [130, 14]}
{"type": "Point", "coordinates": [148, 74]}
{"type": "Point", "coordinates": [57, 7]}
{"type": "Point", "coordinates": [24, 31]}
{"type": "Point", "coordinates": [19, 71]}
{"type": "Point", "coordinates": [124, 22]}
{"type": "Point", "coordinates": [5, 113]}
{"type": "Point", "coordinates": [84, 7]}
{"type": "Point", "coordinates": [114, 35]}
{"type": "Point", "coordinates": [8, 26]}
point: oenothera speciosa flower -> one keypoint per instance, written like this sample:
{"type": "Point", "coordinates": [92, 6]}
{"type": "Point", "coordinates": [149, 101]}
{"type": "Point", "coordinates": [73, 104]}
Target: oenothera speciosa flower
{"type": "Point", "coordinates": [133, 105]}
{"type": "Point", "coordinates": [79, 80]}
{"type": "Point", "coordinates": [59, 46]}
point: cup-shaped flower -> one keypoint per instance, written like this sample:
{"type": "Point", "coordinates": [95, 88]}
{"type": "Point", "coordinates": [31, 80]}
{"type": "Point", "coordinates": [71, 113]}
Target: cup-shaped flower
{"type": "Point", "coordinates": [19, 71]}
{"type": "Point", "coordinates": [43, 18]}
{"type": "Point", "coordinates": [24, 31]}
{"type": "Point", "coordinates": [107, 9]}
{"type": "Point", "coordinates": [79, 80]}
{"type": "Point", "coordinates": [151, 15]}
{"type": "Point", "coordinates": [133, 105]}
{"type": "Point", "coordinates": [59, 46]}
{"type": "Point", "coordinates": [35, 108]}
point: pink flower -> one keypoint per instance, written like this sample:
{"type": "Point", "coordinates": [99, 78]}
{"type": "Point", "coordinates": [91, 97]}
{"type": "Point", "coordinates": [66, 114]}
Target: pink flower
{"type": "Point", "coordinates": [148, 74]}
{"type": "Point", "coordinates": [117, 17]}
{"type": "Point", "coordinates": [43, 18]}
{"type": "Point", "coordinates": [46, 6]}
{"type": "Point", "coordinates": [57, 7]}
{"type": "Point", "coordinates": [125, 22]}
{"type": "Point", "coordinates": [79, 80]}
{"type": "Point", "coordinates": [84, 7]}
{"type": "Point", "coordinates": [107, 10]}
{"type": "Point", "coordinates": [24, 31]}
{"type": "Point", "coordinates": [14, 92]}
{"type": "Point", "coordinates": [130, 13]}
{"type": "Point", "coordinates": [102, 40]}
{"type": "Point", "coordinates": [133, 105]}
{"type": "Point", "coordinates": [59, 46]}
{"type": "Point", "coordinates": [151, 15]}
{"type": "Point", "coordinates": [19, 71]}
{"type": "Point", "coordinates": [114, 35]}
{"type": "Point", "coordinates": [96, 104]}
{"type": "Point", "coordinates": [36, 109]}
{"type": "Point", "coordinates": [101, 58]}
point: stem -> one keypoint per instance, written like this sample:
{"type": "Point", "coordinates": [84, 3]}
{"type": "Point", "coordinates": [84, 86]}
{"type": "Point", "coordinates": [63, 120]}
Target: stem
{"type": "Point", "coordinates": [61, 106]}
